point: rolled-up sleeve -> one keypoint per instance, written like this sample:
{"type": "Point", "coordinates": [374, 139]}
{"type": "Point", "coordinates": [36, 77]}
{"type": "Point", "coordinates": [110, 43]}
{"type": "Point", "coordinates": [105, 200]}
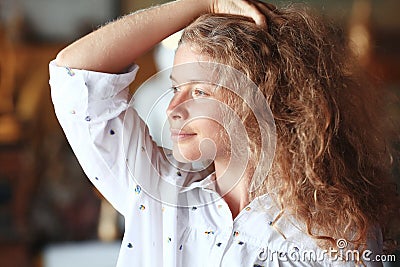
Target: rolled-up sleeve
{"type": "Point", "coordinates": [92, 108]}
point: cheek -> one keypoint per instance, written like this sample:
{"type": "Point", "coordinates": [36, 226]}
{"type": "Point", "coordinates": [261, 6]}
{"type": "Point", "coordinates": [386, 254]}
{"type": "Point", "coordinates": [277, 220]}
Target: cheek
{"type": "Point", "coordinates": [213, 139]}
{"type": "Point", "coordinates": [209, 129]}
{"type": "Point", "coordinates": [207, 145]}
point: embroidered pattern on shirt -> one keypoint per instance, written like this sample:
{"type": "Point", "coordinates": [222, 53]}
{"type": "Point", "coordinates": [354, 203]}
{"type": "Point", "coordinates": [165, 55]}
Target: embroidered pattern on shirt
{"type": "Point", "coordinates": [138, 189]}
{"type": "Point", "coordinates": [70, 71]}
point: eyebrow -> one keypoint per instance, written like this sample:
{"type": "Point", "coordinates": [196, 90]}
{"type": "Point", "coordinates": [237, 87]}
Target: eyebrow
{"type": "Point", "coordinates": [189, 81]}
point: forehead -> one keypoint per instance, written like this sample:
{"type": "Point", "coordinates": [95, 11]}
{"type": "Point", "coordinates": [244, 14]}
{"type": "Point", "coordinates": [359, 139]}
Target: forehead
{"type": "Point", "coordinates": [190, 66]}
{"type": "Point", "coordinates": [185, 53]}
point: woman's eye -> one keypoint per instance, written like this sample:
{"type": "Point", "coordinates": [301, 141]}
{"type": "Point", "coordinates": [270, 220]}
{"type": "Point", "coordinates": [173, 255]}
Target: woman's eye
{"type": "Point", "coordinates": [199, 93]}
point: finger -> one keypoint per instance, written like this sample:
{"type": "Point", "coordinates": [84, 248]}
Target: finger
{"type": "Point", "coordinates": [269, 11]}
{"type": "Point", "coordinates": [269, 5]}
{"type": "Point", "coordinates": [264, 4]}
{"type": "Point", "coordinates": [252, 11]}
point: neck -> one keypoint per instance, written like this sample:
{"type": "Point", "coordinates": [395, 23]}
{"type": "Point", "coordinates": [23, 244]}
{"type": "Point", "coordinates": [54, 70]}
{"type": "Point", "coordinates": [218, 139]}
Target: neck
{"type": "Point", "coordinates": [232, 179]}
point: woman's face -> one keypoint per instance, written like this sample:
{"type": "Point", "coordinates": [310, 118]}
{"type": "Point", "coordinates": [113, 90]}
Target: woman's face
{"type": "Point", "coordinates": [194, 111]}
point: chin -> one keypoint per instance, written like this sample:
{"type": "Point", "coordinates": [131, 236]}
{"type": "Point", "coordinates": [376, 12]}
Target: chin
{"type": "Point", "coordinates": [189, 152]}
{"type": "Point", "coordinates": [183, 157]}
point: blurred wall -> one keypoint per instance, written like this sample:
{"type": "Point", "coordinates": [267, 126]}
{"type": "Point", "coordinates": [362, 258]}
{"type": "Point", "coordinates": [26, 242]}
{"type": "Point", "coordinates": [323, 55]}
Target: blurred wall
{"type": "Point", "coordinates": [58, 20]}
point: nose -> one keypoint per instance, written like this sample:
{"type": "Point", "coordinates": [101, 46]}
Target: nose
{"type": "Point", "coordinates": [177, 108]}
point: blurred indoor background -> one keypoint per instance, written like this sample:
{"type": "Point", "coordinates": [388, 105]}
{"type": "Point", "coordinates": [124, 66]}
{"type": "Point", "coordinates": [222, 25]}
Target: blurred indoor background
{"type": "Point", "coordinates": [50, 215]}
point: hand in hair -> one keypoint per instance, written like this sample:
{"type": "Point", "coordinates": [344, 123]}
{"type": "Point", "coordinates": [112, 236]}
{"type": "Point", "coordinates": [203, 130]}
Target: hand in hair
{"type": "Point", "coordinates": [252, 8]}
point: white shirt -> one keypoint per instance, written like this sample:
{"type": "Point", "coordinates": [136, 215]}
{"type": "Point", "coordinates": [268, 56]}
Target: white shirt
{"type": "Point", "coordinates": [173, 216]}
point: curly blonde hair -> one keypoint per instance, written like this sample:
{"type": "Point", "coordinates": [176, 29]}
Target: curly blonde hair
{"type": "Point", "coordinates": [333, 163]}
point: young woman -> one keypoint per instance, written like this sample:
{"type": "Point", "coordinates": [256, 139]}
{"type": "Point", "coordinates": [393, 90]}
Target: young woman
{"type": "Point", "coordinates": [322, 199]}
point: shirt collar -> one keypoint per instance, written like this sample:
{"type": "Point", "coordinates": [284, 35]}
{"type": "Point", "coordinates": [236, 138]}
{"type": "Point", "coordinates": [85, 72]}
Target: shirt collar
{"type": "Point", "coordinates": [208, 183]}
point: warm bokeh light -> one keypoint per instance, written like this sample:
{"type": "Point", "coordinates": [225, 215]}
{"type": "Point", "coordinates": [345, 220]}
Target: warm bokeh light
{"type": "Point", "coordinates": [359, 30]}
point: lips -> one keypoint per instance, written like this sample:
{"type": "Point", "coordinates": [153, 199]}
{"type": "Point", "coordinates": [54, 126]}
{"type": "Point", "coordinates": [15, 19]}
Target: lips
{"type": "Point", "coordinates": [181, 135]}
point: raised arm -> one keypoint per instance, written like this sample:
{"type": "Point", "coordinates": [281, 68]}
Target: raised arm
{"type": "Point", "coordinates": [115, 46]}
